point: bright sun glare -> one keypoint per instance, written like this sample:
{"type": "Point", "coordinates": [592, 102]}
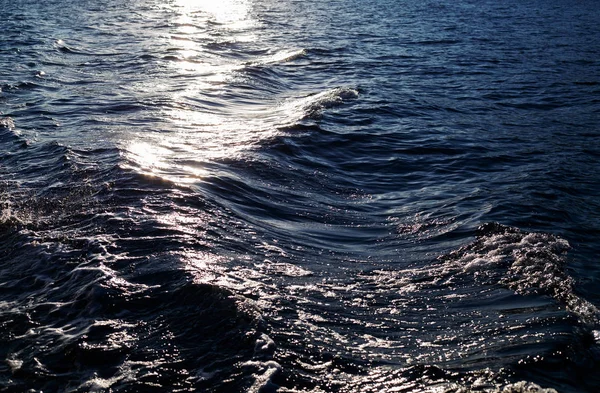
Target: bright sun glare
{"type": "Point", "coordinates": [224, 11]}
{"type": "Point", "coordinates": [198, 132]}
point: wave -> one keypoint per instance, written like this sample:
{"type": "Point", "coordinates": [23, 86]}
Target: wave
{"type": "Point", "coordinates": [534, 263]}
{"type": "Point", "coordinates": [96, 290]}
{"type": "Point", "coordinates": [109, 333]}
{"type": "Point", "coordinates": [9, 218]}
{"type": "Point", "coordinates": [430, 379]}
{"type": "Point", "coordinates": [528, 263]}
{"type": "Point", "coordinates": [63, 47]}
{"type": "Point", "coordinates": [500, 311]}
{"type": "Point", "coordinates": [312, 106]}
{"type": "Point", "coordinates": [283, 56]}
{"type": "Point", "coordinates": [7, 123]}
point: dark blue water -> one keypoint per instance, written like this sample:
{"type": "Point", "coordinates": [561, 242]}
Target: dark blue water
{"type": "Point", "coordinates": [299, 196]}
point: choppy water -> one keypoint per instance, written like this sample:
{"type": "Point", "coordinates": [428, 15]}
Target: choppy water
{"type": "Point", "coordinates": [299, 196]}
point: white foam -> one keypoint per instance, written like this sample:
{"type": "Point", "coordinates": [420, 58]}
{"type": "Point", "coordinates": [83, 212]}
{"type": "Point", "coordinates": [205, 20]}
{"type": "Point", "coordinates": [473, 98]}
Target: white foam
{"type": "Point", "coordinates": [14, 364]}
{"type": "Point", "coordinates": [7, 122]}
{"type": "Point", "coordinates": [535, 262]}
{"type": "Point", "coordinates": [313, 104]}
{"type": "Point", "coordinates": [527, 263]}
{"type": "Point", "coordinates": [264, 379]}
{"type": "Point", "coordinates": [524, 387]}
{"type": "Point", "coordinates": [264, 344]}
{"type": "Point", "coordinates": [7, 215]}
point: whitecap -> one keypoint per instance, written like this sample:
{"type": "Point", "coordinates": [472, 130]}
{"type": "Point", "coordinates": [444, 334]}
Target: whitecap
{"type": "Point", "coordinates": [283, 56]}
{"type": "Point", "coordinates": [525, 387]}
{"type": "Point", "coordinates": [14, 364]}
{"type": "Point", "coordinates": [264, 377]}
{"type": "Point", "coordinates": [534, 263]}
{"type": "Point", "coordinates": [7, 122]}
{"type": "Point", "coordinates": [264, 345]}
{"type": "Point", "coordinates": [313, 104]}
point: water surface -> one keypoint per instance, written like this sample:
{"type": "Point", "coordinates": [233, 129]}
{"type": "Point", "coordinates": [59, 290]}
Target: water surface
{"type": "Point", "coordinates": [299, 196]}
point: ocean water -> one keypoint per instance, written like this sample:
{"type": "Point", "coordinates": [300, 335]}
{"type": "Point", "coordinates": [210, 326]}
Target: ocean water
{"type": "Point", "coordinates": [300, 196]}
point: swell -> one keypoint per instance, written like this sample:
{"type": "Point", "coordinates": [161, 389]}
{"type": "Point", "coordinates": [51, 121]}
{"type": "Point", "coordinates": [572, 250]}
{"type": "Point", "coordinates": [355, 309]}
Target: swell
{"type": "Point", "coordinates": [101, 292]}
{"type": "Point", "coordinates": [501, 310]}
{"type": "Point", "coordinates": [183, 208]}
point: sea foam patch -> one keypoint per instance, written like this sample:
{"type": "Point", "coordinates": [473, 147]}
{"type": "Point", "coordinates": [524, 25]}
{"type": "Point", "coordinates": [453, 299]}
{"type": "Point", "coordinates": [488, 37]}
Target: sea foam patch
{"type": "Point", "coordinates": [534, 261]}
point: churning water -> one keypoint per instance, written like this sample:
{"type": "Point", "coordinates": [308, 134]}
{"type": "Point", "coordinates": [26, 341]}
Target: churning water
{"type": "Point", "coordinates": [299, 196]}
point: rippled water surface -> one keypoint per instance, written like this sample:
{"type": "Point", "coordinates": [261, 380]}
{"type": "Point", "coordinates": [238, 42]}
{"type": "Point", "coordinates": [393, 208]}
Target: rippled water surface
{"type": "Point", "coordinates": [299, 196]}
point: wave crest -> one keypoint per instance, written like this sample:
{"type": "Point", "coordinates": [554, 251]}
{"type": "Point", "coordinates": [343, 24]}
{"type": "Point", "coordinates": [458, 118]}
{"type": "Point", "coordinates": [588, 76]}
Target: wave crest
{"type": "Point", "coordinates": [312, 105]}
{"type": "Point", "coordinates": [535, 264]}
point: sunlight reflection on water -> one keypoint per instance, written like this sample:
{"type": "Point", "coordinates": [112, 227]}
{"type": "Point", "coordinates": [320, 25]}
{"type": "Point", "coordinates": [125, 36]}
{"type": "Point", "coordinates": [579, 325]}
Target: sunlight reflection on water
{"type": "Point", "coordinates": [202, 124]}
{"type": "Point", "coordinates": [235, 13]}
